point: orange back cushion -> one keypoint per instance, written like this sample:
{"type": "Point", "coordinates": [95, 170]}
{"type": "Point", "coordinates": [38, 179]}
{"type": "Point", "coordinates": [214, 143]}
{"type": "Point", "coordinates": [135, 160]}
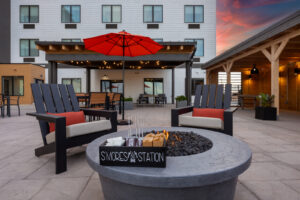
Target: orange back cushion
{"type": "Point", "coordinates": [71, 118]}
{"type": "Point", "coordinates": [208, 112]}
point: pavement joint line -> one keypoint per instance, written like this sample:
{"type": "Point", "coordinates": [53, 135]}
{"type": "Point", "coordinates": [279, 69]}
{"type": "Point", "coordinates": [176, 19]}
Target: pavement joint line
{"type": "Point", "coordinates": [253, 193]}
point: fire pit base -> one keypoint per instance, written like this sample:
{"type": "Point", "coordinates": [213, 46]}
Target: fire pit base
{"type": "Point", "coordinates": [211, 175]}
{"type": "Point", "coordinates": [115, 190]}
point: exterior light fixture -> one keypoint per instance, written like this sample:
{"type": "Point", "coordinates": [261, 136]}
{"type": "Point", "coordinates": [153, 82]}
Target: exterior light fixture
{"type": "Point", "coordinates": [77, 62]}
{"type": "Point", "coordinates": [254, 70]}
{"type": "Point", "coordinates": [72, 61]}
{"type": "Point", "coordinates": [105, 77]}
{"type": "Point", "coordinates": [168, 47]}
{"type": "Point", "coordinates": [297, 71]}
{"type": "Point", "coordinates": [157, 62]}
{"type": "Point", "coordinates": [104, 62]}
{"type": "Point", "coordinates": [181, 47]}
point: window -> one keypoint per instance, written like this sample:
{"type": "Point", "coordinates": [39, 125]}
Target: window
{"type": "Point", "coordinates": [71, 40]}
{"type": "Point", "coordinates": [70, 14]}
{"type": "Point", "coordinates": [153, 86]}
{"type": "Point", "coordinates": [193, 14]}
{"type": "Point", "coordinates": [112, 86]}
{"type": "Point", "coordinates": [195, 82]}
{"type": "Point", "coordinates": [27, 48]}
{"type": "Point", "coordinates": [153, 14]}
{"type": "Point", "coordinates": [235, 80]}
{"type": "Point", "coordinates": [29, 14]}
{"type": "Point", "coordinates": [111, 14]}
{"type": "Point", "coordinates": [76, 82]}
{"type": "Point", "coordinates": [13, 85]}
{"type": "Point", "coordinates": [200, 46]}
{"type": "Point", "coordinates": [158, 39]}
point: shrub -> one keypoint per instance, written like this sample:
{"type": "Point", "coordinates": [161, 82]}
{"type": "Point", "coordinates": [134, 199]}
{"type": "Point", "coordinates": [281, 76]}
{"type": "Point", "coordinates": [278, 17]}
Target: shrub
{"type": "Point", "coordinates": [265, 100]}
{"type": "Point", "coordinates": [181, 98]}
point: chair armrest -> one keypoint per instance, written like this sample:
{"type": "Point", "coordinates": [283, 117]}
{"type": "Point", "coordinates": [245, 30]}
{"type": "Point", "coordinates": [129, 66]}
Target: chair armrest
{"type": "Point", "coordinates": [231, 109]}
{"type": "Point", "coordinates": [46, 117]}
{"type": "Point", "coordinates": [228, 120]}
{"type": "Point", "coordinates": [109, 114]}
{"type": "Point", "coordinates": [179, 111]}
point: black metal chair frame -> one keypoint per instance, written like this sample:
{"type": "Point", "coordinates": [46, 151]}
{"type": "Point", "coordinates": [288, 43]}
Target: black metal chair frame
{"type": "Point", "coordinates": [142, 99]}
{"type": "Point", "coordinates": [161, 98]}
{"type": "Point", "coordinates": [210, 96]}
{"type": "Point", "coordinates": [2, 105]}
{"type": "Point", "coordinates": [16, 104]}
{"type": "Point", "coordinates": [53, 98]}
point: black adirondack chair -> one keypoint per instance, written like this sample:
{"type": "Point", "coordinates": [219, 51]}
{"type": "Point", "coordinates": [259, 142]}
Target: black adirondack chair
{"type": "Point", "coordinates": [53, 98]}
{"type": "Point", "coordinates": [210, 96]}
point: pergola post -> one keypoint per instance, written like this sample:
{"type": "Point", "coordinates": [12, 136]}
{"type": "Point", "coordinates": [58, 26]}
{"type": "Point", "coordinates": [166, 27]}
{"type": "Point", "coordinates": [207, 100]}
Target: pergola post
{"type": "Point", "coordinates": [173, 85]}
{"type": "Point", "coordinates": [52, 72]}
{"type": "Point", "coordinates": [88, 80]}
{"type": "Point", "coordinates": [207, 76]}
{"type": "Point", "coordinates": [188, 84]}
{"type": "Point", "coordinates": [227, 68]}
{"type": "Point", "coordinates": [273, 57]}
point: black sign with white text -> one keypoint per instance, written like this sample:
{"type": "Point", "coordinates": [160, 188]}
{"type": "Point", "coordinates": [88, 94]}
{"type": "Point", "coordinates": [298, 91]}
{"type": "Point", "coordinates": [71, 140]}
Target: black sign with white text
{"type": "Point", "coordinates": [133, 156]}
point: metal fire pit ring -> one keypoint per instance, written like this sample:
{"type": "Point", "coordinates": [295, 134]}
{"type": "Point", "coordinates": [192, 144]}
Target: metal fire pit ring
{"type": "Point", "coordinates": [209, 175]}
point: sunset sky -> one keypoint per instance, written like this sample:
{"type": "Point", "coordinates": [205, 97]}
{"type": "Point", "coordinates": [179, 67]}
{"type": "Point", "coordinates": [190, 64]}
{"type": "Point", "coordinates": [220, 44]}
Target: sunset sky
{"type": "Point", "coordinates": [238, 20]}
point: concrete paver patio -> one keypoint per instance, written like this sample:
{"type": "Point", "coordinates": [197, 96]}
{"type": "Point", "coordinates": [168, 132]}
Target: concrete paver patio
{"type": "Point", "coordinates": [273, 175]}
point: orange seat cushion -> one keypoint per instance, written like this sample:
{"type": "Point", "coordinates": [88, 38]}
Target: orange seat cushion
{"type": "Point", "coordinates": [209, 112]}
{"type": "Point", "coordinates": [71, 118]}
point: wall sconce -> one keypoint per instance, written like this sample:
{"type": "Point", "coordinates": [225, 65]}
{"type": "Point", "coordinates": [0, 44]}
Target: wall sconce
{"type": "Point", "coordinates": [297, 71]}
{"type": "Point", "coordinates": [105, 77]}
{"type": "Point", "coordinates": [254, 70]}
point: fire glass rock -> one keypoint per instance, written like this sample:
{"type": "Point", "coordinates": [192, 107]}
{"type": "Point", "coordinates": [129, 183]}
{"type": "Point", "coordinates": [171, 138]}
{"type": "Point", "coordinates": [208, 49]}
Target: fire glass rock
{"type": "Point", "coordinates": [186, 143]}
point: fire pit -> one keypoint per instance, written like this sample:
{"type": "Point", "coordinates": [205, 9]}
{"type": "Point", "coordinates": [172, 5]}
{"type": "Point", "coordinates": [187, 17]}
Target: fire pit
{"type": "Point", "coordinates": [211, 174]}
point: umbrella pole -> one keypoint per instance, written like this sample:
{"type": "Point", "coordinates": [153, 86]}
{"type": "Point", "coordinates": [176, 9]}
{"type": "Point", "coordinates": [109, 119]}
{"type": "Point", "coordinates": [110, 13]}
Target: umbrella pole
{"type": "Point", "coordinates": [123, 77]}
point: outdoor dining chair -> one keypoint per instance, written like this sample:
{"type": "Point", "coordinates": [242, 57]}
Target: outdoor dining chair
{"type": "Point", "coordinates": [15, 101]}
{"type": "Point", "coordinates": [99, 100]}
{"type": "Point", "coordinates": [2, 105]}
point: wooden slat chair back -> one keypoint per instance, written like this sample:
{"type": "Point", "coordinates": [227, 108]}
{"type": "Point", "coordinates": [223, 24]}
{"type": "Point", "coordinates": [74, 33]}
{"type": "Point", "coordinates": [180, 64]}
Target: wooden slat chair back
{"type": "Point", "coordinates": [53, 98]}
{"type": "Point", "coordinates": [212, 96]}
{"type": "Point", "coordinates": [98, 99]}
{"type": "Point", "coordinates": [2, 105]}
{"type": "Point", "coordinates": [110, 96]}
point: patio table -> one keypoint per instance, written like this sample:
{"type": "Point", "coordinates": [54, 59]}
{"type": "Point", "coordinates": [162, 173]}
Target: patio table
{"type": "Point", "coordinates": [209, 175]}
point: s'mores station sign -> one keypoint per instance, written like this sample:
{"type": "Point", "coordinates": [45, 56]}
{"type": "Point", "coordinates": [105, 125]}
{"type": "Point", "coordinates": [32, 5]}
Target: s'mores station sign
{"type": "Point", "coordinates": [139, 150]}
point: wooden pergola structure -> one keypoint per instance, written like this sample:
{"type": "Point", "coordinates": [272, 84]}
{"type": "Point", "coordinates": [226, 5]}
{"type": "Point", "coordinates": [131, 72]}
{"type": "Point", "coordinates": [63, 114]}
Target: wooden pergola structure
{"type": "Point", "coordinates": [173, 54]}
{"type": "Point", "coordinates": [276, 52]}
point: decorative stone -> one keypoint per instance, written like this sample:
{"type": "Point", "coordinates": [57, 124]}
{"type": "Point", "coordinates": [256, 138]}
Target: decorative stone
{"type": "Point", "coordinates": [209, 175]}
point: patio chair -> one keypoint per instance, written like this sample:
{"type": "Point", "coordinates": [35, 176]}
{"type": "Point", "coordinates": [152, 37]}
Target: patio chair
{"type": "Point", "coordinates": [15, 101]}
{"type": "Point", "coordinates": [99, 100]}
{"type": "Point", "coordinates": [143, 99]}
{"type": "Point", "coordinates": [116, 102]}
{"type": "Point", "coordinates": [2, 105]}
{"type": "Point", "coordinates": [53, 98]}
{"type": "Point", "coordinates": [161, 98]}
{"type": "Point", "coordinates": [207, 96]}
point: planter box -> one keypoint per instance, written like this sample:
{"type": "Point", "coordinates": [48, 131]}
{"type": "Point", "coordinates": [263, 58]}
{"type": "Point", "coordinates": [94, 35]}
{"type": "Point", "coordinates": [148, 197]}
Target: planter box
{"type": "Point", "coordinates": [128, 105]}
{"type": "Point", "coordinates": [266, 113]}
{"type": "Point", "coordinates": [181, 104]}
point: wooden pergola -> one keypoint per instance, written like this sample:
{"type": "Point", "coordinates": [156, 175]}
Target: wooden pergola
{"type": "Point", "coordinates": [274, 51]}
{"type": "Point", "coordinates": [173, 54]}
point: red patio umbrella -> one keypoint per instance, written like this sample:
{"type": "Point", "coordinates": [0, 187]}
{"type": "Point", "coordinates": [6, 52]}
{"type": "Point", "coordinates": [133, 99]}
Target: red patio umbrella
{"type": "Point", "coordinates": [122, 44]}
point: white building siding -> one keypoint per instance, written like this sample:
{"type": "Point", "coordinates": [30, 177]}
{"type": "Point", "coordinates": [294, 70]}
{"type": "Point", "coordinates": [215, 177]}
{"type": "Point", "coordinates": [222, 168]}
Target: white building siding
{"type": "Point", "coordinates": [173, 28]}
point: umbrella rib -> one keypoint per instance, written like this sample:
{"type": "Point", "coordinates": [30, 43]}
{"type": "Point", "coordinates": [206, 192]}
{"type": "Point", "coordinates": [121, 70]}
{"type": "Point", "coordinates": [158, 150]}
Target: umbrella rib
{"type": "Point", "coordinates": [113, 47]}
{"type": "Point", "coordinates": [143, 46]}
{"type": "Point", "coordinates": [128, 48]}
{"type": "Point", "coordinates": [100, 42]}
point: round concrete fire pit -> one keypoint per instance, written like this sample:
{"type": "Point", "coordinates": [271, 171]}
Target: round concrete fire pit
{"type": "Point", "coordinates": [211, 175]}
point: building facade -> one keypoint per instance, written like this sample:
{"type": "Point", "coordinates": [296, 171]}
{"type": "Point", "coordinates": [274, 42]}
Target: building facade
{"type": "Point", "coordinates": [57, 20]}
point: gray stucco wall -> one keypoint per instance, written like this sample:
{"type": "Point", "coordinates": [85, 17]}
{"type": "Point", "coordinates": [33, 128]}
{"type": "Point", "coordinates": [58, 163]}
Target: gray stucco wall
{"type": "Point", "coordinates": [5, 15]}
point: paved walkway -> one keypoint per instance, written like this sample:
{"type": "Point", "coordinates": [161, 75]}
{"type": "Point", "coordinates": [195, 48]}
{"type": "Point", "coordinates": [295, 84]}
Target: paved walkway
{"type": "Point", "coordinates": [273, 175]}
